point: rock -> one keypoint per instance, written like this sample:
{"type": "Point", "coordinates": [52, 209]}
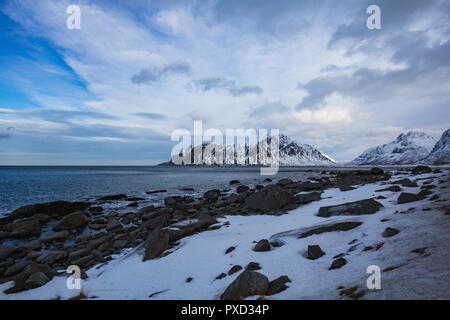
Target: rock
{"type": "Point", "coordinates": [132, 205]}
{"type": "Point", "coordinates": [221, 276]}
{"type": "Point", "coordinates": [4, 234]}
{"type": "Point", "coordinates": [120, 244]}
{"type": "Point", "coordinates": [406, 197]}
{"type": "Point", "coordinates": [24, 229]}
{"type": "Point", "coordinates": [62, 235]}
{"type": "Point", "coordinates": [96, 210]}
{"type": "Point", "coordinates": [113, 224]}
{"type": "Point", "coordinates": [211, 194]}
{"type": "Point", "coordinates": [50, 257]}
{"type": "Point", "coordinates": [308, 186]}
{"type": "Point", "coordinates": [6, 251]}
{"type": "Point", "coordinates": [338, 263]}
{"type": "Point", "coordinates": [36, 280]}
{"type": "Point", "coordinates": [235, 182]}
{"type": "Point", "coordinates": [16, 268]}
{"type": "Point", "coordinates": [305, 198]}
{"type": "Point", "coordinates": [33, 245]}
{"type": "Point", "coordinates": [346, 188]}
{"type": "Point", "coordinates": [278, 285]}
{"type": "Point", "coordinates": [229, 250]}
{"type": "Point", "coordinates": [234, 269]}
{"type": "Point", "coordinates": [191, 228]}
{"type": "Point", "coordinates": [285, 182]}
{"type": "Point", "coordinates": [262, 245]}
{"type": "Point", "coordinates": [169, 201]}
{"type": "Point", "coordinates": [248, 283]}
{"type": "Point", "coordinates": [376, 170]}
{"type": "Point", "coordinates": [315, 252]}
{"type": "Point", "coordinates": [120, 196]}
{"type": "Point", "coordinates": [156, 223]}
{"type": "Point", "coordinates": [268, 180]}
{"type": "Point", "coordinates": [269, 199]}
{"type": "Point", "coordinates": [96, 226]}
{"type": "Point", "coordinates": [389, 232]}
{"type": "Point", "coordinates": [253, 266]}
{"type": "Point", "coordinates": [189, 279]}
{"type": "Point", "coordinates": [50, 208]}
{"type": "Point", "coordinates": [156, 191]}
{"type": "Point", "coordinates": [406, 183]}
{"type": "Point", "coordinates": [340, 226]}
{"type": "Point", "coordinates": [391, 188]}
{"type": "Point", "coordinates": [367, 206]}
{"type": "Point", "coordinates": [157, 243]}
{"type": "Point", "coordinates": [72, 221]}
{"type": "Point", "coordinates": [421, 169]}
{"type": "Point", "coordinates": [77, 254]}
{"type": "Point", "coordinates": [41, 218]}
{"type": "Point", "coordinates": [241, 189]}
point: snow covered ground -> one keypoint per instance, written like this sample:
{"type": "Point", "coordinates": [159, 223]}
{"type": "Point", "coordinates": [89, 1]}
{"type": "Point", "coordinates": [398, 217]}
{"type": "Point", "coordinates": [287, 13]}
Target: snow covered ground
{"type": "Point", "coordinates": [202, 256]}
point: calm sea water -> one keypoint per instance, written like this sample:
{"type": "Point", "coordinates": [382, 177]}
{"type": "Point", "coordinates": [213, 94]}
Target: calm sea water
{"type": "Point", "coordinates": [28, 185]}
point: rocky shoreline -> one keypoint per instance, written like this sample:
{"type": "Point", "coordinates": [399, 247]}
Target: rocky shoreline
{"type": "Point", "coordinates": [38, 242]}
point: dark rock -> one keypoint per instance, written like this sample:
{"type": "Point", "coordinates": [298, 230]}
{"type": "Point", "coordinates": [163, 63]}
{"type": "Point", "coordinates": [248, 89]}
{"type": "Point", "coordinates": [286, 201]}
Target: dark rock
{"type": "Point", "coordinates": [113, 224]}
{"type": "Point", "coordinates": [4, 234]}
{"type": "Point", "coordinates": [406, 197]}
{"type": "Point", "coordinates": [50, 257]}
{"type": "Point", "coordinates": [253, 266]}
{"type": "Point", "coordinates": [248, 283]}
{"type": "Point", "coordinates": [285, 182]}
{"type": "Point", "coordinates": [120, 196]}
{"type": "Point", "coordinates": [376, 170]}
{"type": "Point", "coordinates": [346, 188]}
{"type": "Point", "coordinates": [229, 250]}
{"type": "Point", "coordinates": [235, 182]}
{"type": "Point", "coordinates": [96, 210]}
{"type": "Point", "coordinates": [211, 194]}
{"type": "Point", "coordinates": [268, 180]}
{"type": "Point", "coordinates": [278, 285]}
{"type": "Point", "coordinates": [269, 199]}
{"type": "Point", "coordinates": [366, 206]}
{"type": "Point", "coordinates": [156, 223]}
{"type": "Point", "coordinates": [169, 201]}
{"type": "Point", "coordinates": [305, 198]}
{"type": "Point", "coordinates": [189, 229]}
{"type": "Point", "coordinates": [315, 252]}
{"type": "Point", "coordinates": [156, 191]}
{"type": "Point", "coordinates": [41, 218]}
{"type": "Point", "coordinates": [134, 199]}
{"type": "Point", "coordinates": [132, 205]}
{"type": "Point", "coordinates": [187, 189]}
{"type": "Point", "coordinates": [234, 269]}
{"type": "Point", "coordinates": [57, 236]}
{"type": "Point", "coordinates": [50, 208]}
{"type": "Point", "coordinates": [24, 229]}
{"type": "Point", "coordinates": [389, 232]}
{"type": "Point", "coordinates": [241, 189]}
{"type": "Point", "coordinates": [308, 186]}
{"type": "Point", "coordinates": [421, 169]}
{"type": "Point", "coordinates": [72, 221]}
{"type": "Point", "coordinates": [340, 226]}
{"type": "Point", "coordinates": [338, 263]}
{"type": "Point", "coordinates": [391, 188]}
{"type": "Point", "coordinates": [221, 276]}
{"type": "Point", "coordinates": [16, 268]}
{"type": "Point", "coordinates": [157, 243]}
{"type": "Point", "coordinates": [36, 280]}
{"type": "Point", "coordinates": [189, 279]}
{"type": "Point", "coordinates": [406, 183]}
{"type": "Point", "coordinates": [33, 245]}
{"type": "Point", "coordinates": [262, 245]}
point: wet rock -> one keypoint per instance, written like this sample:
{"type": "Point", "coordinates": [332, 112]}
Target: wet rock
{"type": "Point", "coordinates": [262, 245]}
{"type": "Point", "coordinates": [278, 285]}
{"type": "Point", "coordinates": [315, 252]}
{"type": "Point", "coordinates": [24, 229]}
{"type": "Point", "coordinates": [391, 188]}
{"type": "Point", "coordinates": [120, 196]}
{"type": "Point", "coordinates": [156, 191]}
{"type": "Point", "coordinates": [157, 243]}
{"type": "Point", "coordinates": [340, 226]}
{"type": "Point", "coordinates": [389, 232]}
{"type": "Point", "coordinates": [406, 183]}
{"type": "Point", "coordinates": [366, 206]}
{"type": "Point", "coordinates": [241, 189]}
{"type": "Point", "coordinates": [421, 169]}
{"type": "Point", "coordinates": [211, 194]}
{"type": "Point", "coordinates": [16, 268]}
{"type": "Point", "coordinates": [50, 208]}
{"type": "Point", "coordinates": [235, 182]}
{"type": "Point", "coordinates": [305, 198]}
{"type": "Point", "coordinates": [234, 269]}
{"type": "Point", "coordinates": [248, 283]}
{"type": "Point", "coordinates": [72, 221]}
{"type": "Point", "coordinates": [269, 199]}
{"type": "Point", "coordinates": [253, 266]}
{"type": "Point", "coordinates": [406, 197]}
{"type": "Point", "coordinates": [338, 263]}
{"type": "Point", "coordinates": [36, 280]}
{"type": "Point", "coordinates": [56, 236]}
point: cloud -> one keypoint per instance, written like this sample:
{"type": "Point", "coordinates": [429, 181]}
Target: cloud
{"type": "Point", "coordinates": [150, 115]}
{"type": "Point", "coordinates": [216, 83]}
{"type": "Point", "coordinates": [4, 136]}
{"type": "Point", "coordinates": [154, 74]}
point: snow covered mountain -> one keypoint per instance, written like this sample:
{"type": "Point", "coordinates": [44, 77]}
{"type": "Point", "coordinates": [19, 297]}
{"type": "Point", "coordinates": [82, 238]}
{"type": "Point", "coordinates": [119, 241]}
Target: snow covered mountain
{"type": "Point", "coordinates": [408, 148]}
{"type": "Point", "coordinates": [291, 154]}
{"type": "Point", "coordinates": [441, 151]}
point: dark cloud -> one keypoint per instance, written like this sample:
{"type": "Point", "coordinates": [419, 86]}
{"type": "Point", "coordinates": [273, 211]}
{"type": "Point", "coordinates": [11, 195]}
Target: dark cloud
{"type": "Point", "coordinates": [154, 74]}
{"type": "Point", "coordinates": [217, 83]}
{"type": "Point", "coordinates": [150, 115]}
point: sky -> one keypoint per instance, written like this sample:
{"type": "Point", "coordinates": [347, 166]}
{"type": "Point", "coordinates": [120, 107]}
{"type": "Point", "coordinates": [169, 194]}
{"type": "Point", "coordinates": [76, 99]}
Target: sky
{"type": "Point", "coordinates": [112, 92]}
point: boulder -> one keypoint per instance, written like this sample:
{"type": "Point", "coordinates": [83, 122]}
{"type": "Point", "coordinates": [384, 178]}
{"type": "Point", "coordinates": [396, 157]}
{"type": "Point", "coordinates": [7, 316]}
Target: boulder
{"type": "Point", "coordinates": [113, 224]}
{"type": "Point", "coordinates": [24, 229]}
{"type": "Point", "coordinates": [61, 235]}
{"type": "Point", "coordinates": [305, 198]}
{"type": "Point", "coordinates": [252, 266]}
{"type": "Point", "coordinates": [36, 280]}
{"type": "Point", "coordinates": [191, 228]}
{"type": "Point", "coordinates": [50, 208]}
{"type": "Point", "coordinates": [234, 269]}
{"type": "Point", "coordinates": [278, 285]}
{"type": "Point", "coordinates": [120, 196]}
{"type": "Point", "coordinates": [376, 170]}
{"type": "Point", "coordinates": [235, 182]}
{"type": "Point", "coordinates": [346, 188]}
{"type": "Point", "coordinates": [72, 221]}
{"type": "Point", "coordinates": [157, 243]}
{"type": "Point", "coordinates": [315, 252]}
{"type": "Point", "coordinates": [156, 223]}
{"type": "Point", "coordinates": [211, 194]}
{"type": "Point", "coordinates": [421, 169]}
{"type": "Point", "coordinates": [366, 206]}
{"type": "Point", "coordinates": [262, 245]}
{"type": "Point", "coordinates": [338, 263]}
{"type": "Point", "coordinates": [50, 257]}
{"type": "Point", "coordinates": [391, 188]}
{"type": "Point", "coordinates": [285, 182]}
{"type": "Point", "coordinates": [269, 199]}
{"type": "Point", "coordinates": [406, 197]}
{"type": "Point", "coordinates": [340, 226]}
{"type": "Point", "coordinates": [248, 283]}
{"type": "Point", "coordinates": [33, 245]}
{"type": "Point", "coordinates": [406, 183]}
{"type": "Point", "coordinates": [389, 232]}
{"type": "Point", "coordinates": [6, 251]}
{"type": "Point", "coordinates": [16, 268]}
{"type": "Point", "coordinates": [241, 189]}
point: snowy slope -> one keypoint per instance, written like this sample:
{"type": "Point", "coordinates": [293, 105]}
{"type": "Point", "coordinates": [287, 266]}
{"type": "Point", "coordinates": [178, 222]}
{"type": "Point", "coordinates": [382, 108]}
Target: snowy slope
{"type": "Point", "coordinates": [291, 154]}
{"type": "Point", "coordinates": [441, 151]}
{"type": "Point", "coordinates": [202, 256]}
{"type": "Point", "coordinates": [408, 148]}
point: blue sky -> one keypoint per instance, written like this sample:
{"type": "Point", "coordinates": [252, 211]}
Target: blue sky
{"type": "Point", "coordinates": [112, 92]}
